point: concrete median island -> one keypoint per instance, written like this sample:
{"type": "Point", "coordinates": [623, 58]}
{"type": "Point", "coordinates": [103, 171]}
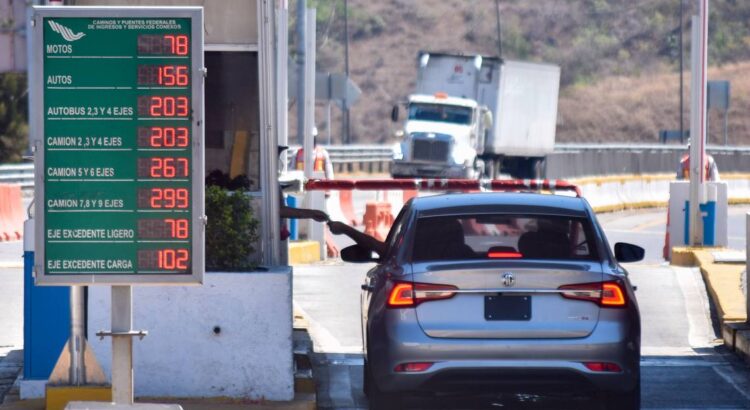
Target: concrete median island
{"type": "Point", "coordinates": [724, 282]}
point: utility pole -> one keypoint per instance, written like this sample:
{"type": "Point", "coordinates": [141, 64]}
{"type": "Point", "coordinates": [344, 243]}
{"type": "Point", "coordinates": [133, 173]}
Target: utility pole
{"type": "Point", "coordinates": [682, 71]}
{"type": "Point", "coordinates": [345, 137]}
{"type": "Point", "coordinates": [499, 31]}
{"type": "Point", "coordinates": [301, 30]}
{"type": "Point", "coordinates": [698, 120]}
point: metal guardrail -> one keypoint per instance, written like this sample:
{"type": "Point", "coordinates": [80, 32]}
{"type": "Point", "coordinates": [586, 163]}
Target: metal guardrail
{"type": "Point", "coordinates": [341, 154]}
{"type": "Point", "coordinates": [21, 174]}
{"type": "Point", "coordinates": [611, 159]}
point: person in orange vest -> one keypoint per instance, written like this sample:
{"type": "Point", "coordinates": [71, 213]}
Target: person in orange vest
{"type": "Point", "coordinates": [321, 159]}
{"type": "Point", "coordinates": [711, 172]}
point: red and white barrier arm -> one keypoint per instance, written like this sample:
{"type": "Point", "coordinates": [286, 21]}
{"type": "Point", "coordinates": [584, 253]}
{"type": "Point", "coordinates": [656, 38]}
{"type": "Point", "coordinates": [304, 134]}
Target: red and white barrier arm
{"type": "Point", "coordinates": [441, 185]}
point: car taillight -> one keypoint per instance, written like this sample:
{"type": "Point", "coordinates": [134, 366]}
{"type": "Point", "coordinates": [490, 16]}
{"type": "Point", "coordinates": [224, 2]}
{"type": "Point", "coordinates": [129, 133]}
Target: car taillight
{"type": "Point", "coordinates": [603, 367]}
{"type": "Point", "coordinates": [612, 294]}
{"type": "Point", "coordinates": [407, 294]}
{"type": "Point", "coordinates": [605, 294]}
{"type": "Point", "coordinates": [412, 367]}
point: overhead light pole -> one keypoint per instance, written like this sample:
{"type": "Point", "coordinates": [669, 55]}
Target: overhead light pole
{"type": "Point", "coordinates": [682, 72]}
{"type": "Point", "coordinates": [345, 137]}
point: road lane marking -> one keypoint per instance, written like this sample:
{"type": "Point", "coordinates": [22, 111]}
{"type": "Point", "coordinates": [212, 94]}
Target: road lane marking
{"type": "Point", "coordinates": [700, 328]}
{"type": "Point", "coordinates": [724, 373]}
{"type": "Point", "coordinates": [670, 362]}
{"type": "Point", "coordinates": [323, 339]}
{"type": "Point", "coordinates": [659, 221]}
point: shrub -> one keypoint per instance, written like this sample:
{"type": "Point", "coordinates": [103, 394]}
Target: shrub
{"type": "Point", "coordinates": [13, 113]}
{"type": "Point", "coordinates": [231, 231]}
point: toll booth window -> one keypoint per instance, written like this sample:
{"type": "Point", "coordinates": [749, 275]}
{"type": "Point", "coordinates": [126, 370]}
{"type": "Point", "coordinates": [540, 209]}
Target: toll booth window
{"type": "Point", "coordinates": [232, 116]}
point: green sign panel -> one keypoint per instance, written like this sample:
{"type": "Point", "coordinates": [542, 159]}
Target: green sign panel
{"type": "Point", "coordinates": [117, 110]}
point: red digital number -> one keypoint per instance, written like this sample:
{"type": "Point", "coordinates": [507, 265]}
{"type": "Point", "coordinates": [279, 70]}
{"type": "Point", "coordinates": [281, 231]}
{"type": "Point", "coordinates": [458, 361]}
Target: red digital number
{"type": "Point", "coordinates": [170, 75]}
{"type": "Point", "coordinates": [168, 167]}
{"type": "Point", "coordinates": [173, 259]}
{"type": "Point", "coordinates": [177, 44]}
{"type": "Point", "coordinates": [169, 137]}
{"type": "Point", "coordinates": [169, 198]}
{"type": "Point", "coordinates": [178, 228]}
{"type": "Point", "coordinates": [168, 106]}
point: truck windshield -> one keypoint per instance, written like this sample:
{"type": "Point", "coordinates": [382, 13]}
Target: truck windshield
{"type": "Point", "coordinates": [441, 113]}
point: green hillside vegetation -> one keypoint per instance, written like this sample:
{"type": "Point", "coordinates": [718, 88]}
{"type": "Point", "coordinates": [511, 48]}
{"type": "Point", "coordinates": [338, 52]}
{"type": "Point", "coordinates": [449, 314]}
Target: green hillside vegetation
{"type": "Point", "coordinates": [594, 41]}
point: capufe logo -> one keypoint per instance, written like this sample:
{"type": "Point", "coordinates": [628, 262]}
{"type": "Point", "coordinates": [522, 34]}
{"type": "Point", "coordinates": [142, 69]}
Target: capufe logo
{"type": "Point", "coordinates": [65, 32]}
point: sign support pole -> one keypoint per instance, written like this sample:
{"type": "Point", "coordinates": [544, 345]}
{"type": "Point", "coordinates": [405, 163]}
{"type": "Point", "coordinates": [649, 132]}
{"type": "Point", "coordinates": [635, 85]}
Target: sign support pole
{"type": "Point", "coordinates": [77, 337]}
{"type": "Point", "coordinates": [699, 57]}
{"type": "Point", "coordinates": [122, 345]}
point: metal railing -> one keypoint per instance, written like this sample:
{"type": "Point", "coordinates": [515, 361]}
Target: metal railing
{"type": "Point", "coordinates": [21, 174]}
{"type": "Point", "coordinates": [608, 158]}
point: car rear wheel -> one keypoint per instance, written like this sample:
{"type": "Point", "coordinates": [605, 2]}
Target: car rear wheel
{"type": "Point", "coordinates": [630, 400]}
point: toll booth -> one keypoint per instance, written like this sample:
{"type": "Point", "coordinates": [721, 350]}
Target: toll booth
{"type": "Point", "coordinates": [231, 337]}
{"type": "Point", "coordinates": [714, 212]}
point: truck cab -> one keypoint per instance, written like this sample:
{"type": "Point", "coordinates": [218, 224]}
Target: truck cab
{"type": "Point", "coordinates": [439, 137]}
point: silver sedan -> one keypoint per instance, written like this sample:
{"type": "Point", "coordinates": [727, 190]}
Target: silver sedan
{"type": "Point", "coordinates": [499, 292]}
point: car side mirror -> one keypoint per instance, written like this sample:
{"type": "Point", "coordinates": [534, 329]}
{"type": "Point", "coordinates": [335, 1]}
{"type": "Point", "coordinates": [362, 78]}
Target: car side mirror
{"type": "Point", "coordinates": [626, 252]}
{"type": "Point", "coordinates": [394, 113]}
{"type": "Point", "coordinates": [357, 254]}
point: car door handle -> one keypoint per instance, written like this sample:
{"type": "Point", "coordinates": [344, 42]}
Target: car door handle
{"type": "Point", "coordinates": [367, 288]}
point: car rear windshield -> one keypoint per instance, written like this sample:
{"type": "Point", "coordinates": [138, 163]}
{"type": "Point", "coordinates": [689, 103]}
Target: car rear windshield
{"type": "Point", "coordinates": [503, 236]}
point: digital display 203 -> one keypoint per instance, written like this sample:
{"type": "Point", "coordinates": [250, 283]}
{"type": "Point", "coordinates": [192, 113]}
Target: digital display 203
{"type": "Point", "coordinates": [163, 137]}
{"type": "Point", "coordinates": [163, 106]}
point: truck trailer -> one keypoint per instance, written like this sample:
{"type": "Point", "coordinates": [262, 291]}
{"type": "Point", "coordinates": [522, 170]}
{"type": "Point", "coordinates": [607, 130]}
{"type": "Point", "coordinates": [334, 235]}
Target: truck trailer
{"type": "Point", "coordinates": [475, 116]}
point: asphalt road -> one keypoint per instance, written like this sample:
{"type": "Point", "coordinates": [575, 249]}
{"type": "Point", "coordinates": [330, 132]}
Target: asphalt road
{"type": "Point", "coordinates": [684, 366]}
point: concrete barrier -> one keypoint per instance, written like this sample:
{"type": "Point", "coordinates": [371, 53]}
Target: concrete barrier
{"type": "Point", "coordinates": [619, 192]}
{"type": "Point", "coordinates": [231, 337]}
{"type": "Point", "coordinates": [11, 213]}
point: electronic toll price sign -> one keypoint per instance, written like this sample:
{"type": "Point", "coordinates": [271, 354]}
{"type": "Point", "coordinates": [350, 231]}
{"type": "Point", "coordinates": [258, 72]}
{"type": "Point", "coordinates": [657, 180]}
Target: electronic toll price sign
{"type": "Point", "coordinates": [117, 103]}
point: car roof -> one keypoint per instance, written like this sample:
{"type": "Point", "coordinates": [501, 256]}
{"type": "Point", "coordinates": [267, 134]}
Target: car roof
{"type": "Point", "coordinates": [505, 202]}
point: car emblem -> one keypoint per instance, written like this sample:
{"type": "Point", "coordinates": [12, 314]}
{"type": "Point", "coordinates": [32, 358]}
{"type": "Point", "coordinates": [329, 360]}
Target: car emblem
{"type": "Point", "coordinates": [508, 279]}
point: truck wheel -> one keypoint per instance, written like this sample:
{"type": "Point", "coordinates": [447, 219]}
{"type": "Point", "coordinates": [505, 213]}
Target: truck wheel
{"type": "Point", "coordinates": [489, 169]}
{"type": "Point", "coordinates": [534, 168]}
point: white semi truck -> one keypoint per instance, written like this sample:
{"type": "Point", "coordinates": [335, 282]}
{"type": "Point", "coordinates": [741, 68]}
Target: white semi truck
{"type": "Point", "coordinates": [474, 116]}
